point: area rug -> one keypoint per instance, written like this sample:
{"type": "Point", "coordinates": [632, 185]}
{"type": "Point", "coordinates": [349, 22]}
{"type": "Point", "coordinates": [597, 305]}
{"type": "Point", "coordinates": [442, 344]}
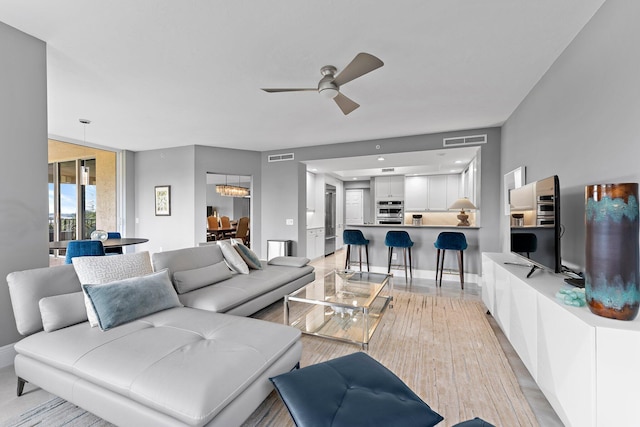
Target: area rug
{"type": "Point", "coordinates": [443, 348]}
{"type": "Point", "coordinates": [57, 412]}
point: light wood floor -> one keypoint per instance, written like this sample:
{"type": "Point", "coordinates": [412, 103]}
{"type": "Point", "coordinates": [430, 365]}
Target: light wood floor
{"type": "Point", "coordinates": [10, 405]}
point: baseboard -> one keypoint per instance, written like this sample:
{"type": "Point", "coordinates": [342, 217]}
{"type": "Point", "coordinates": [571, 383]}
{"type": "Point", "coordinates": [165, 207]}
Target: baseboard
{"type": "Point", "coordinates": [429, 274]}
{"type": "Point", "coordinates": [7, 354]}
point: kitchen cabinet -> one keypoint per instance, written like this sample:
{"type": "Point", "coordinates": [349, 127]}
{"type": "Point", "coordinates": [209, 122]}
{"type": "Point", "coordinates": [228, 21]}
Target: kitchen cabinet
{"type": "Point", "coordinates": [315, 243]}
{"type": "Point", "coordinates": [389, 187]}
{"type": "Point", "coordinates": [431, 193]}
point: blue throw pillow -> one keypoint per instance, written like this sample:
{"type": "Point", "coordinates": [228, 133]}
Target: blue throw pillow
{"type": "Point", "coordinates": [123, 301]}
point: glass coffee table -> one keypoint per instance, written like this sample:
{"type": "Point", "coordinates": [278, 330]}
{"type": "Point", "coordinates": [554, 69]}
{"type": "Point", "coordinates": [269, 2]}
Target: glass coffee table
{"type": "Point", "coordinates": [345, 306]}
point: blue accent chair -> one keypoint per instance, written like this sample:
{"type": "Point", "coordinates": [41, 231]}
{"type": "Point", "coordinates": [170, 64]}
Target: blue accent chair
{"type": "Point", "coordinates": [453, 241]}
{"type": "Point", "coordinates": [356, 238]}
{"type": "Point", "coordinates": [399, 239]}
{"type": "Point", "coordinates": [77, 248]}
{"type": "Point", "coordinates": [113, 251]}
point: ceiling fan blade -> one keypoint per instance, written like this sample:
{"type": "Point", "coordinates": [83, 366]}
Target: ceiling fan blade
{"type": "Point", "coordinates": [345, 104]}
{"type": "Point", "coordinates": [362, 64]}
{"type": "Point", "coordinates": [315, 89]}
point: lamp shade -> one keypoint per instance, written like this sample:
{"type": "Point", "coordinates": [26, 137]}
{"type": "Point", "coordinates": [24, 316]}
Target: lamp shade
{"type": "Point", "coordinates": [462, 204]}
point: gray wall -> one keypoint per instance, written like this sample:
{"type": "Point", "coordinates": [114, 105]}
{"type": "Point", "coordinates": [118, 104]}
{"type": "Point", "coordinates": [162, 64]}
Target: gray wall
{"type": "Point", "coordinates": [284, 183]}
{"type": "Point", "coordinates": [23, 196]}
{"type": "Point", "coordinates": [581, 121]}
{"type": "Point", "coordinates": [185, 170]}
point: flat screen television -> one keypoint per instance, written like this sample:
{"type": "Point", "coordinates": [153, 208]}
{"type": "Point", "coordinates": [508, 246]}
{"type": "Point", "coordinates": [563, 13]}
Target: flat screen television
{"type": "Point", "coordinates": [535, 224]}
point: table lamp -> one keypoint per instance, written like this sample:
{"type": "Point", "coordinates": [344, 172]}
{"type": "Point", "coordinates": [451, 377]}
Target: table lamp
{"type": "Point", "coordinates": [463, 204]}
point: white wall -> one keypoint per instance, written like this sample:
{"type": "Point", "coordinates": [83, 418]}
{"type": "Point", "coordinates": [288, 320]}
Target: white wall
{"type": "Point", "coordinates": [23, 196]}
{"type": "Point", "coordinates": [582, 120]}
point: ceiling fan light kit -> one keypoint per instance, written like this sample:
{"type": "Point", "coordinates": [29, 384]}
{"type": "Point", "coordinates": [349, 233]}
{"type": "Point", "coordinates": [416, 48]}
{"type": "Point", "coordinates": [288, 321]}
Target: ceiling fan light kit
{"type": "Point", "coordinates": [329, 85]}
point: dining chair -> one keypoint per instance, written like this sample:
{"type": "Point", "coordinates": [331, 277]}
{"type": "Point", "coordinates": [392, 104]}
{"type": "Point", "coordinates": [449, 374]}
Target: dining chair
{"type": "Point", "coordinates": [212, 226]}
{"type": "Point", "coordinates": [77, 248]}
{"type": "Point", "coordinates": [242, 231]}
{"type": "Point", "coordinates": [116, 250]}
{"type": "Point", "coordinates": [225, 222]}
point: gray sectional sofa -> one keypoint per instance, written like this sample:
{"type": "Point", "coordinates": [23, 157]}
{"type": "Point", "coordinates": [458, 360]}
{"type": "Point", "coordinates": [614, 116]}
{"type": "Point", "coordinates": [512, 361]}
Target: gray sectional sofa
{"type": "Point", "coordinates": [182, 365]}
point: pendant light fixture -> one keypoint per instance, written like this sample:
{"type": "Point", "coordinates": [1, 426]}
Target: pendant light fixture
{"type": "Point", "coordinates": [232, 190]}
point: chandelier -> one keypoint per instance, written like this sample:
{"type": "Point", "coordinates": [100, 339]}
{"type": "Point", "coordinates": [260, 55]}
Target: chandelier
{"type": "Point", "coordinates": [232, 190]}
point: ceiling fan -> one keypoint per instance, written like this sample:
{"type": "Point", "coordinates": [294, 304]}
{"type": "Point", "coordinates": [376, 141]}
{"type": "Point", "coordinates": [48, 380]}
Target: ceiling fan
{"type": "Point", "coordinates": [329, 85]}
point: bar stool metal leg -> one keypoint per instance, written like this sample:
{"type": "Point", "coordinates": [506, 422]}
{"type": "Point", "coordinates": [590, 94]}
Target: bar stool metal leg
{"type": "Point", "coordinates": [366, 250]}
{"type": "Point", "coordinates": [461, 267]}
{"type": "Point", "coordinates": [347, 261]}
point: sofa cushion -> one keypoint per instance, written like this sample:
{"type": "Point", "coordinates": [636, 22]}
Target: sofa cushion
{"type": "Point", "coordinates": [97, 270]}
{"type": "Point", "coordinates": [189, 364]}
{"type": "Point", "coordinates": [249, 257]}
{"type": "Point", "coordinates": [28, 287]}
{"type": "Point", "coordinates": [242, 287]}
{"type": "Point", "coordinates": [189, 280]}
{"type": "Point", "coordinates": [60, 311]}
{"type": "Point", "coordinates": [122, 301]}
{"type": "Point", "coordinates": [289, 261]}
{"type": "Point", "coordinates": [233, 259]}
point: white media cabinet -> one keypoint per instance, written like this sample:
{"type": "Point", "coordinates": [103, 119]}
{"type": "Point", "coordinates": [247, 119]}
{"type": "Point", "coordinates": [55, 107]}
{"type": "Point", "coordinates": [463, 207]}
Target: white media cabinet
{"type": "Point", "coordinates": [587, 366]}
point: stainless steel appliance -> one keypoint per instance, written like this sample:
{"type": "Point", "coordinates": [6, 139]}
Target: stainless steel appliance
{"type": "Point", "coordinates": [546, 209]}
{"type": "Point", "coordinates": [329, 219]}
{"type": "Point", "coordinates": [390, 212]}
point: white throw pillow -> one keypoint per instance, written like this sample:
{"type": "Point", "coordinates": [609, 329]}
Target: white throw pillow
{"type": "Point", "coordinates": [233, 259]}
{"type": "Point", "coordinates": [97, 270]}
{"type": "Point", "coordinates": [60, 311]}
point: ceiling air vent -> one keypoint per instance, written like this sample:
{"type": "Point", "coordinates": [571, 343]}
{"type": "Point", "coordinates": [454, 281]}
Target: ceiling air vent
{"type": "Point", "coordinates": [280, 157]}
{"type": "Point", "coordinates": [388, 169]}
{"type": "Point", "coordinates": [464, 140]}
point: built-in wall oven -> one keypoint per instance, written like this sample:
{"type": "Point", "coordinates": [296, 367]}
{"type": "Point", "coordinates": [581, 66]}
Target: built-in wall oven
{"type": "Point", "coordinates": [390, 212]}
{"type": "Point", "coordinates": [545, 214]}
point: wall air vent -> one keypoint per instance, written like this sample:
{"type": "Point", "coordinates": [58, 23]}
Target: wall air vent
{"type": "Point", "coordinates": [464, 140]}
{"type": "Point", "coordinates": [280, 157]}
{"type": "Point", "coordinates": [388, 169]}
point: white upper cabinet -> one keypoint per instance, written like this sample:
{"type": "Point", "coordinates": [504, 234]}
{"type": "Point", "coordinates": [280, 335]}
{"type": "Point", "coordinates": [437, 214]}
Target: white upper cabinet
{"type": "Point", "coordinates": [415, 198]}
{"type": "Point", "coordinates": [431, 193]}
{"type": "Point", "coordinates": [389, 187]}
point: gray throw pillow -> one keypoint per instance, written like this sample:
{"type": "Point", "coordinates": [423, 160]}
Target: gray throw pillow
{"type": "Point", "coordinates": [123, 301]}
{"type": "Point", "coordinates": [64, 310]}
{"type": "Point", "coordinates": [189, 280]}
{"type": "Point", "coordinates": [233, 259]}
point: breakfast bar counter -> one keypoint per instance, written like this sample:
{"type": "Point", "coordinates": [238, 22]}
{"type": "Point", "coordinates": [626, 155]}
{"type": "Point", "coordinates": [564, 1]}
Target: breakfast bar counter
{"type": "Point", "coordinates": [423, 251]}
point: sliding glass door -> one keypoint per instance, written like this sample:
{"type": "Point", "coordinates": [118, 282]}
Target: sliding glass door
{"type": "Point", "coordinates": [72, 199]}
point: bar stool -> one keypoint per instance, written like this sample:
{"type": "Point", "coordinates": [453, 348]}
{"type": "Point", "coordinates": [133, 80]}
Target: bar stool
{"type": "Point", "coordinates": [454, 241]}
{"type": "Point", "coordinates": [356, 238]}
{"type": "Point", "coordinates": [399, 239]}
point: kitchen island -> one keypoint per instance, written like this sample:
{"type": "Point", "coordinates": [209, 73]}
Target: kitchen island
{"type": "Point", "coordinates": [423, 252]}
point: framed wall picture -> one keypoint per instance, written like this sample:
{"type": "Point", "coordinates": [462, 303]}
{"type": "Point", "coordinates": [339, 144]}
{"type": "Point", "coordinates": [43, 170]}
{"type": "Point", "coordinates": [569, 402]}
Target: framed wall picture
{"type": "Point", "coordinates": [513, 179]}
{"type": "Point", "coordinates": [163, 200]}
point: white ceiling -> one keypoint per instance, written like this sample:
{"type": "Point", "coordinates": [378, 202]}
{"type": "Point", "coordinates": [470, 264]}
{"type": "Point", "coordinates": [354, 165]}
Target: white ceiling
{"type": "Point", "coordinates": [164, 73]}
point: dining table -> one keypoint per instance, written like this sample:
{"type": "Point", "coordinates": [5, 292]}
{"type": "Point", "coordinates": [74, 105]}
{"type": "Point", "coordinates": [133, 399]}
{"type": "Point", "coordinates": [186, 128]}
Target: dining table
{"type": "Point", "coordinates": [109, 243]}
{"type": "Point", "coordinates": [221, 233]}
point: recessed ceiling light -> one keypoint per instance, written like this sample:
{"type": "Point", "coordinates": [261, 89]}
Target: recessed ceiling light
{"type": "Point", "coordinates": [453, 171]}
{"type": "Point", "coordinates": [458, 161]}
{"type": "Point", "coordinates": [380, 159]}
{"type": "Point", "coordinates": [354, 178]}
{"type": "Point", "coordinates": [313, 170]}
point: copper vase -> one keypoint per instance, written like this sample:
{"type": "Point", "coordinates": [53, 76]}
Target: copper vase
{"type": "Point", "coordinates": [612, 251]}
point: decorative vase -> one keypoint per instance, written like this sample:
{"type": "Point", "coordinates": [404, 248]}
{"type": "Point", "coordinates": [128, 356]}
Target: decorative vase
{"type": "Point", "coordinates": [99, 235]}
{"type": "Point", "coordinates": [611, 276]}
